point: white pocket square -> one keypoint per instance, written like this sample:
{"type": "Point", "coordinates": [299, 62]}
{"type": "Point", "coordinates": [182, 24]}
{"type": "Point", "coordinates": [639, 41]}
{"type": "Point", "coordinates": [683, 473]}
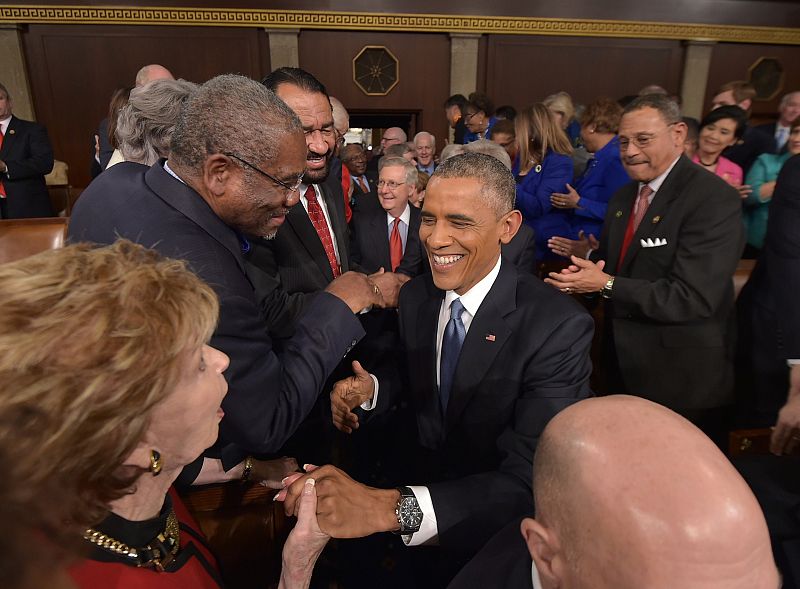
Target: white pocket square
{"type": "Point", "coordinates": [649, 242]}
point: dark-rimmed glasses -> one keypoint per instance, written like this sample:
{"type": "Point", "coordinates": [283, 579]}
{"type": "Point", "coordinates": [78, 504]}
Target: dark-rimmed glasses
{"type": "Point", "coordinates": [289, 187]}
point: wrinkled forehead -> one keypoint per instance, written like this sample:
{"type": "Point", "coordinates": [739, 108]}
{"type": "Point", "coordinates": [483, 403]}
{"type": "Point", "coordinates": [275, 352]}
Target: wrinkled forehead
{"type": "Point", "coordinates": [643, 120]}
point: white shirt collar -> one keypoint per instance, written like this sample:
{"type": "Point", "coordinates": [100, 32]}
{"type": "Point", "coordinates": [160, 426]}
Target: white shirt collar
{"type": "Point", "coordinates": [537, 583]}
{"type": "Point", "coordinates": [405, 216]}
{"type": "Point", "coordinates": [656, 182]}
{"type": "Point", "coordinates": [4, 123]}
{"type": "Point", "coordinates": [473, 298]}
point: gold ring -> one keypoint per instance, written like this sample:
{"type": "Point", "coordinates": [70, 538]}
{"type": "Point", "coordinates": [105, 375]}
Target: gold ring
{"type": "Point", "coordinates": [376, 289]}
{"type": "Point", "coordinates": [567, 290]}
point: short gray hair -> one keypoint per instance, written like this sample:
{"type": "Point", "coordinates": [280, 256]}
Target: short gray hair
{"type": "Point", "coordinates": [231, 113]}
{"type": "Point", "coordinates": [424, 134]}
{"type": "Point", "coordinates": [667, 108]}
{"type": "Point", "coordinates": [145, 125]}
{"type": "Point", "coordinates": [399, 149]}
{"type": "Point", "coordinates": [451, 150]}
{"type": "Point", "coordinates": [489, 148]}
{"type": "Point", "coordinates": [411, 170]}
{"type": "Point", "coordinates": [787, 97]}
{"type": "Point", "coordinates": [498, 187]}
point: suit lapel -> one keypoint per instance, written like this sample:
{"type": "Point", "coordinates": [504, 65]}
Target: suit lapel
{"type": "Point", "coordinates": [429, 412]}
{"type": "Point", "coordinates": [487, 335]}
{"type": "Point", "coordinates": [297, 220]}
{"type": "Point", "coordinates": [334, 202]}
{"type": "Point", "coordinates": [9, 137]}
{"type": "Point", "coordinates": [655, 213]}
{"type": "Point", "coordinates": [617, 222]}
{"type": "Point", "coordinates": [379, 237]}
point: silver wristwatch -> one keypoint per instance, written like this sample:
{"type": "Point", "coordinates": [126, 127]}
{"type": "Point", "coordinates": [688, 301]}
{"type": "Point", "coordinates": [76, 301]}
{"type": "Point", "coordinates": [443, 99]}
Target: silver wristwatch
{"type": "Point", "coordinates": [606, 290]}
{"type": "Point", "coordinates": [409, 515]}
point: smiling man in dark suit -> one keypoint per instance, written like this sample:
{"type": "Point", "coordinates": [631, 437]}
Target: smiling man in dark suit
{"type": "Point", "coordinates": [670, 244]}
{"type": "Point", "coordinates": [492, 355]}
{"type": "Point", "coordinates": [25, 157]}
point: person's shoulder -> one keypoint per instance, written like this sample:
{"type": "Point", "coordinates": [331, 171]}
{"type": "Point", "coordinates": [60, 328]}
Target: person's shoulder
{"type": "Point", "coordinates": [558, 158]}
{"type": "Point", "coordinates": [417, 289]}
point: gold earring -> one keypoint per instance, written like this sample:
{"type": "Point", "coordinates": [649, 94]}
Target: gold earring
{"type": "Point", "coordinates": [156, 464]}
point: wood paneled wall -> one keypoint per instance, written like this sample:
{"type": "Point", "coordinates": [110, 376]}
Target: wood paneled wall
{"type": "Point", "coordinates": [732, 62]}
{"type": "Point", "coordinates": [523, 70]}
{"type": "Point", "coordinates": [74, 69]}
{"type": "Point", "coordinates": [424, 78]}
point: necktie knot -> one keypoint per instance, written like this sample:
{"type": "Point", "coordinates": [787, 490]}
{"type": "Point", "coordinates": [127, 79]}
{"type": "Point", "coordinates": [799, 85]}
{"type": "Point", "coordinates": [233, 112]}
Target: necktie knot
{"type": "Point", "coordinates": [311, 194]}
{"type": "Point", "coordinates": [456, 309]}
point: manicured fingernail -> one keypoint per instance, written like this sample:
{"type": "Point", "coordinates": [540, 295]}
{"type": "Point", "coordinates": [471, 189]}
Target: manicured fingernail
{"type": "Point", "coordinates": [307, 465]}
{"type": "Point", "coordinates": [283, 481]}
{"type": "Point", "coordinates": [275, 497]}
{"type": "Point", "coordinates": [309, 485]}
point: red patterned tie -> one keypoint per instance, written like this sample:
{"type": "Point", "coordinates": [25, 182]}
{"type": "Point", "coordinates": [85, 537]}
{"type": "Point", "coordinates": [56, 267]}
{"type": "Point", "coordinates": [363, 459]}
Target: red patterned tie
{"type": "Point", "coordinates": [395, 245]}
{"type": "Point", "coordinates": [2, 188]}
{"type": "Point", "coordinates": [641, 205]}
{"type": "Point", "coordinates": [318, 221]}
{"type": "Point", "coordinates": [363, 184]}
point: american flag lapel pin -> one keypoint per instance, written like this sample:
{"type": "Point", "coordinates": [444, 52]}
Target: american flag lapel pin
{"type": "Point", "coordinates": [490, 337]}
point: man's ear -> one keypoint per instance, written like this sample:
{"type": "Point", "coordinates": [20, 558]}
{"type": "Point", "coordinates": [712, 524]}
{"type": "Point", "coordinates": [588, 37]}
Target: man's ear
{"type": "Point", "coordinates": [545, 551]}
{"type": "Point", "coordinates": [511, 224]}
{"type": "Point", "coordinates": [217, 173]}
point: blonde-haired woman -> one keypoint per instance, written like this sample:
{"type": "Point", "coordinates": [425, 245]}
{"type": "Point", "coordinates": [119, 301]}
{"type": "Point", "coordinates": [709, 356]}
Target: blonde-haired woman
{"type": "Point", "coordinates": [110, 389]}
{"type": "Point", "coordinates": [543, 167]}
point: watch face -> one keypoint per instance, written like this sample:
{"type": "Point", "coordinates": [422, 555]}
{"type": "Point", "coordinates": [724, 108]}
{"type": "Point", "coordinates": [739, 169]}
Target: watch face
{"type": "Point", "coordinates": [410, 514]}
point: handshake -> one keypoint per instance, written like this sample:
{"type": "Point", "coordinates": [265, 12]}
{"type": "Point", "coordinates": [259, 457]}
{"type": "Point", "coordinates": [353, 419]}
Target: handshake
{"type": "Point", "coordinates": [361, 291]}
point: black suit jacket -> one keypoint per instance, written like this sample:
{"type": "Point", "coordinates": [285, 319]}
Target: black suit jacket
{"type": "Point", "coordinates": [369, 243]}
{"type": "Point", "coordinates": [504, 563]}
{"type": "Point", "coordinates": [525, 358]}
{"type": "Point", "coordinates": [672, 306]}
{"type": "Point", "coordinates": [521, 250]}
{"type": "Point", "coordinates": [268, 396]}
{"type": "Point", "coordinates": [27, 153]}
{"type": "Point", "coordinates": [289, 270]}
{"type": "Point", "coordinates": [769, 301]}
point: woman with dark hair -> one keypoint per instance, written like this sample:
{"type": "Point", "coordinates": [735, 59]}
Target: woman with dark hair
{"type": "Point", "coordinates": [719, 129]}
{"type": "Point", "coordinates": [479, 117]}
{"type": "Point", "coordinates": [110, 390]}
{"type": "Point", "coordinates": [543, 166]}
{"type": "Point", "coordinates": [762, 177]}
{"type": "Point", "coordinates": [604, 173]}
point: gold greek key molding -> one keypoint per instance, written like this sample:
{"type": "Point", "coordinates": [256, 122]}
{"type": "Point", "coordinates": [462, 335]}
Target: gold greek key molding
{"type": "Point", "coordinates": [364, 21]}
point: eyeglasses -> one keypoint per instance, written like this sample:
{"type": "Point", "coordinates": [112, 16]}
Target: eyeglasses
{"type": "Point", "coordinates": [288, 187]}
{"type": "Point", "coordinates": [469, 116]}
{"type": "Point", "coordinates": [391, 184]}
{"type": "Point", "coordinates": [641, 140]}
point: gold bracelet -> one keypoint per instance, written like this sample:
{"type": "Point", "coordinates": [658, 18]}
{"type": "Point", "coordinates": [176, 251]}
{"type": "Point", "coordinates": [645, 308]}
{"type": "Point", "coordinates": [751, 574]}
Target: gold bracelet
{"type": "Point", "coordinates": [248, 468]}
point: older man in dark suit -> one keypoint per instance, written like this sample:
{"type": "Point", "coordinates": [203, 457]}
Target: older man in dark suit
{"type": "Point", "coordinates": [25, 157]}
{"type": "Point", "coordinates": [670, 245]}
{"type": "Point", "coordinates": [492, 355]}
{"type": "Point", "coordinates": [233, 170]}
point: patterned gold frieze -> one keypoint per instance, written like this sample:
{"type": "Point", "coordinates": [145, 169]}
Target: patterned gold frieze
{"type": "Point", "coordinates": [362, 21]}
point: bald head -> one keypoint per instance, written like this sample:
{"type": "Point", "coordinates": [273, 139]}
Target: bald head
{"type": "Point", "coordinates": [152, 72]}
{"type": "Point", "coordinates": [341, 119]}
{"type": "Point", "coordinates": [629, 494]}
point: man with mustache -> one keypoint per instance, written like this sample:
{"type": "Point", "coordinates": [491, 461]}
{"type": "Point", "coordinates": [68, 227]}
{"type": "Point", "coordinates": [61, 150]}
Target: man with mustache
{"type": "Point", "coordinates": [311, 249]}
{"type": "Point", "coordinates": [670, 244]}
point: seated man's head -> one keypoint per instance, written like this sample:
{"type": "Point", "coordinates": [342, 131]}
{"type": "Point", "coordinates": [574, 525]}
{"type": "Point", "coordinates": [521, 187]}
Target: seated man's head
{"type": "Point", "coordinates": [468, 212]}
{"type": "Point", "coordinates": [242, 149]}
{"type": "Point", "coordinates": [405, 150]}
{"type": "Point", "coordinates": [630, 495]}
{"type": "Point", "coordinates": [397, 184]}
{"type": "Point", "coordinates": [354, 158]}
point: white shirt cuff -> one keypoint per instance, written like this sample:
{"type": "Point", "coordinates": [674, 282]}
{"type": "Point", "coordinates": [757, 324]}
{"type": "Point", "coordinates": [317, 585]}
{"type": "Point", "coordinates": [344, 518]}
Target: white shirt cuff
{"type": "Point", "coordinates": [793, 362]}
{"type": "Point", "coordinates": [428, 533]}
{"type": "Point", "coordinates": [369, 404]}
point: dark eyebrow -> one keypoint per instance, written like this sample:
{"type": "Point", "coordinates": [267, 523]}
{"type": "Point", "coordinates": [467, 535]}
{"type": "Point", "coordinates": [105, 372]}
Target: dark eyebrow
{"type": "Point", "coordinates": [457, 217]}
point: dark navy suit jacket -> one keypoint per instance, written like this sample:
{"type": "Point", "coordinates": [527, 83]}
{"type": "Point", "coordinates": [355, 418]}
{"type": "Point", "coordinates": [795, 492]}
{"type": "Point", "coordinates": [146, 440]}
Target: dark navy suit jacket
{"type": "Point", "coordinates": [268, 396]}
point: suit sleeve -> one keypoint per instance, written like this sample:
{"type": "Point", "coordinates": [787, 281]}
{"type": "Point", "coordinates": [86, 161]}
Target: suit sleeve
{"type": "Point", "coordinates": [533, 198]}
{"type": "Point", "coordinates": [269, 396]}
{"type": "Point", "coordinates": [708, 247]}
{"type": "Point", "coordinates": [38, 156]}
{"type": "Point", "coordinates": [756, 177]}
{"type": "Point", "coordinates": [470, 510]}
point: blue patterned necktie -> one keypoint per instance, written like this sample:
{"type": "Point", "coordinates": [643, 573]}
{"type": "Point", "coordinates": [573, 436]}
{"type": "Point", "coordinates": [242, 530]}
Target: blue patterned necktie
{"type": "Point", "coordinates": [454, 334]}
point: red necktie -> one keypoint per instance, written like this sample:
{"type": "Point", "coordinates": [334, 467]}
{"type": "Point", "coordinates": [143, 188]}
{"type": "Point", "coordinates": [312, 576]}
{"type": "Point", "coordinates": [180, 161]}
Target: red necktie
{"type": "Point", "coordinates": [639, 210]}
{"type": "Point", "coordinates": [2, 188]}
{"type": "Point", "coordinates": [318, 221]}
{"type": "Point", "coordinates": [395, 245]}
{"type": "Point", "coordinates": [362, 183]}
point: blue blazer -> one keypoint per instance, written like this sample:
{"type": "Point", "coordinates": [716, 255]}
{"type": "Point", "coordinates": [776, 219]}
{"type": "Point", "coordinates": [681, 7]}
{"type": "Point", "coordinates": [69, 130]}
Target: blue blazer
{"type": "Point", "coordinates": [533, 200]}
{"type": "Point", "coordinates": [604, 175]}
